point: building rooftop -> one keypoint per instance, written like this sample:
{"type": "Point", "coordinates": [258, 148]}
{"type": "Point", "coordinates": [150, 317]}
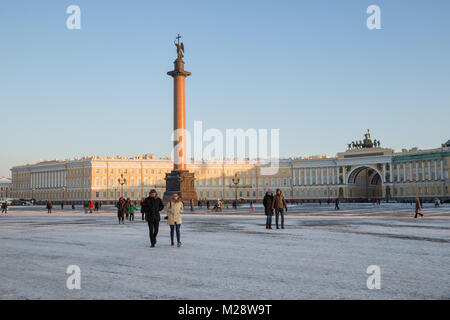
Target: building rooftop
{"type": "Point", "coordinates": [4, 180]}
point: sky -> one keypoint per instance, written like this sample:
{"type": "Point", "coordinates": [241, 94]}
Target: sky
{"type": "Point", "coordinates": [309, 68]}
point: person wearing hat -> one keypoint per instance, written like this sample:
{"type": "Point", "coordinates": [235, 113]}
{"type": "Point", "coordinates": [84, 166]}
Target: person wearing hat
{"type": "Point", "coordinates": [152, 206]}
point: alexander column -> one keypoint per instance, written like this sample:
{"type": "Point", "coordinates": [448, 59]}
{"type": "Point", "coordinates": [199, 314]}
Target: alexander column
{"type": "Point", "coordinates": [180, 180]}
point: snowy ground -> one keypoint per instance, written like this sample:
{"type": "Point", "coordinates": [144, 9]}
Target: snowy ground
{"type": "Point", "coordinates": [322, 254]}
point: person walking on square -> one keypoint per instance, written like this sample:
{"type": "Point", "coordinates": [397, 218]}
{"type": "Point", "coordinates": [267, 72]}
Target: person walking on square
{"type": "Point", "coordinates": [192, 204]}
{"type": "Point", "coordinates": [120, 210]}
{"type": "Point", "coordinates": [418, 208]}
{"type": "Point", "coordinates": [152, 206]}
{"type": "Point", "coordinates": [207, 205]}
{"type": "Point", "coordinates": [336, 204]}
{"type": "Point", "coordinates": [279, 204]}
{"type": "Point", "coordinates": [127, 207]}
{"type": "Point", "coordinates": [175, 208]}
{"type": "Point", "coordinates": [49, 206]}
{"type": "Point", "coordinates": [5, 207]}
{"type": "Point", "coordinates": [142, 209]}
{"type": "Point", "coordinates": [91, 206]}
{"type": "Point", "coordinates": [268, 208]}
{"type": "Point", "coordinates": [132, 210]}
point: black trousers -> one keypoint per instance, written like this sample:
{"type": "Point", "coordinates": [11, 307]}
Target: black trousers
{"type": "Point", "coordinates": [279, 212]}
{"type": "Point", "coordinates": [153, 227]}
{"type": "Point", "coordinates": [120, 216]}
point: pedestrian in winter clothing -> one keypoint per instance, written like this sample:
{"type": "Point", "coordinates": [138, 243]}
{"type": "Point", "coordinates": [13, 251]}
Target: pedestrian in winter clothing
{"type": "Point", "coordinates": [49, 206]}
{"type": "Point", "coordinates": [268, 208]}
{"type": "Point", "coordinates": [5, 207]}
{"type": "Point", "coordinates": [152, 206]}
{"type": "Point", "coordinates": [418, 208]}
{"type": "Point", "coordinates": [132, 209]}
{"type": "Point", "coordinates": [120, 210]}
{"type": "Point", "coordinates": [127, 208]}
{"type": "Point", "coordinates": [279, 204]}
{"type": "Point", "coordinates": [142, 209]}
{"type": "Point", "coordinates": [336, 204]}
{"type": "Point", "coordinates": [207, 204]}
{"type": "Point", "coordinates": [175, 208]}
{"type": "Point", "coordinates": [91, 206]}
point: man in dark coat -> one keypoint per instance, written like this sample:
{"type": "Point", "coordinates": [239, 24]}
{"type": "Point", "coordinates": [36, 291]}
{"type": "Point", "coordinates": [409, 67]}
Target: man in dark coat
{"type": "Point", "coordinates": [268, 208]}
{"type": "Point", "coordinates": [152, 206]}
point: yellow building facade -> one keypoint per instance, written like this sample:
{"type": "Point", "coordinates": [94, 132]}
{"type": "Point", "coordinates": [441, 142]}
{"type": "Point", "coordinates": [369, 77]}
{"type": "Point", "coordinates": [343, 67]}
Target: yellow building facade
{"type": "Point", "coordinates": [354, 175]}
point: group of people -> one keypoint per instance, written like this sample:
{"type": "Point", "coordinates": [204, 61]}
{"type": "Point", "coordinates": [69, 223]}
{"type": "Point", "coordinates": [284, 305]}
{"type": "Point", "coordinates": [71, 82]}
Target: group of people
{"type": "Point", "coordinates": [275, 203]}
{"type": "Point", "coordinates": [125, 208]}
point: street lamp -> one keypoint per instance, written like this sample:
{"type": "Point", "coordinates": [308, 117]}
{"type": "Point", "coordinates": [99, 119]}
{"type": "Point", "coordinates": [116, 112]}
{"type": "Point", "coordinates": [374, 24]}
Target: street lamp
{"type": "Point", "coordinates": [235, 181]}
{"type": "Point", "coordinates": [64, 194]}
{"type": "Point", "coordinates": [121, 181]}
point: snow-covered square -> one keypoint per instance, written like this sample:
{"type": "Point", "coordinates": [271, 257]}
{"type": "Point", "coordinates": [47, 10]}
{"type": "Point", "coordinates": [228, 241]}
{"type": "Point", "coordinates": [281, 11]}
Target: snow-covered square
{"type": "Point", "coordinates": [322, 254]}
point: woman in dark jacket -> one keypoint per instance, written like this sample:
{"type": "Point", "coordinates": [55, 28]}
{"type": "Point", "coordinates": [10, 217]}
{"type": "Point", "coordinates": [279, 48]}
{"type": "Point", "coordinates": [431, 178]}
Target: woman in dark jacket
{"type": "Point", "coordinates": [120, 210]}
{"type": "Point", "coordinates": [268, 208]}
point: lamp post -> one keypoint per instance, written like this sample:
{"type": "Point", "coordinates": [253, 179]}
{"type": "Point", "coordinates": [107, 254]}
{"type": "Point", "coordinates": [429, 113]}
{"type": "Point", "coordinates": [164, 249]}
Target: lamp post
{"type": "Point", "coordinates": [32, 195]}
{"type": "Point", "coordinates": [121, 181]}
{"type": "Point", "coordinates": [64, 194]}
{"type": "Point", "coordinates": [235, 181]}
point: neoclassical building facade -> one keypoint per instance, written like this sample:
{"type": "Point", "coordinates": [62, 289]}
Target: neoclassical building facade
{"type": "Point", "coordinates": [361, 173]}
{"type": "Point", "coordinates": [5, 188]}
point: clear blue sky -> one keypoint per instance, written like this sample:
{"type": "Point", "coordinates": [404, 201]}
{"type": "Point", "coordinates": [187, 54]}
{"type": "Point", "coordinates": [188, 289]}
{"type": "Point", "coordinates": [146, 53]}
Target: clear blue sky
{"type": "Point", "coordinates": [310, 68]}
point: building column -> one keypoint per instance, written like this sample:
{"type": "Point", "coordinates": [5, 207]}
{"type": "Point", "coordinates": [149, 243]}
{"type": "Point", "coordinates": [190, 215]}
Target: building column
{"type": "Point", "coordinates": [423, 170]}
{"type": "Point", "coordinates": [310, 176]}
{"type": "Point", "coordinates": [384, 172]}
{"type": "Point", "coordinates": [328, 175]}
{"type": "Point", "coordinates": [332, 175]}
{"type": "Point", "coordinates": [435, 170]}
{"type": "Point", "coordinates": [343, 175]}
{"type": "Point", "coordinates": [429, 170]}
{"type": "Point", "coordinates": [404, 172]}
{"type": "Point", "coordinates": [442, 170]}
{"type": "Point", "coordinates": [417, 171]}
{"type": "Point", "coordinates": [398, 172]}
{"type": "Point", "coordinates": [391, 175]}
{"type": "Point", "coordinates": [410, 171]}
{"type": "Point", "coordinates": [338, 180]}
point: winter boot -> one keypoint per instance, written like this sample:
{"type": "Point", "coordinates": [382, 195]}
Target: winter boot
{"type": "Point", "coordinates": [179, 244]}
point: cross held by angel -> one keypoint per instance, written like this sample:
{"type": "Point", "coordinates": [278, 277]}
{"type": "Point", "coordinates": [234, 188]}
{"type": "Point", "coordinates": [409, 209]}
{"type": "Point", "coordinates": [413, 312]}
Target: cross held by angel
{"type": "Point", "coordinates": [180, 47]}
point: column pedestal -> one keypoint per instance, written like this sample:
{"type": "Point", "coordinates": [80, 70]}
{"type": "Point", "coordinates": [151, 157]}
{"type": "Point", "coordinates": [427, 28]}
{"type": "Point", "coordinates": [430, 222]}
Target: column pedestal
{"type": "Point", "coordinates": [180, 182]}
